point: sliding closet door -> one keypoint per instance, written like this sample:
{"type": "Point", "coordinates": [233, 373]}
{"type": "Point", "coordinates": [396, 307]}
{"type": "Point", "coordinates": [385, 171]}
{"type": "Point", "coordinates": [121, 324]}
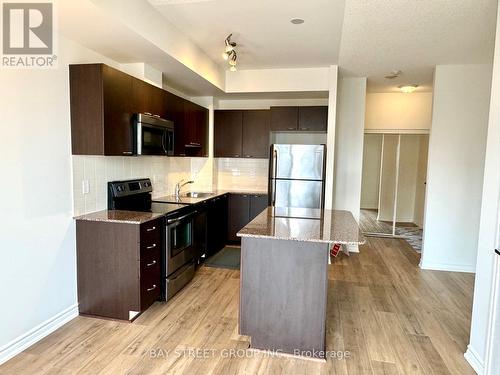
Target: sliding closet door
{"type": "Point", "coordinates": [370, 184]}
{"type": "Point", "coordinates": [388, 183]}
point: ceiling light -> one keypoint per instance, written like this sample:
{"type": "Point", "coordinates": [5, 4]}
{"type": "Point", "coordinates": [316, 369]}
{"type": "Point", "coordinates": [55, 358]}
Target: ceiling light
{"type": "Point", "coordinates": [229, 45]}
{"type": "Point", "coordinates": [297, 21]}
{"type": "Point", "coordinates": [408, 89]}
{"type": "Point", "coordinates": [230, 52]}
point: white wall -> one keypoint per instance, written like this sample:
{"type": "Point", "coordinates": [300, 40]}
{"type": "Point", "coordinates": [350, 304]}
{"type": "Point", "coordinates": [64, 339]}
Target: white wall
{"type": "Point", "coordinates": [398, 111]}
{"type": "Point", "coordinates": [372, 151]}
{"type": "Point", "coordinates": [330, 139]}
{"type": "Point", "coordinates": [488, 228]}
{"type": "Point", "coordinates": [278, 80]}
{"type": "Point", "coordinates": [37, 239]}
{"type": "Point", "coordinates": [455, 170]}
{"type": "Point", "coordinates": [349, 144]}
{"type": "Point", "coordinates": [423, 145]}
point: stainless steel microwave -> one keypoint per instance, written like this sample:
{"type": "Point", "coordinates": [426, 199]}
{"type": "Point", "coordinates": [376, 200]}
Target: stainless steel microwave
{"type": "Point", "coordinates": [154, 135]}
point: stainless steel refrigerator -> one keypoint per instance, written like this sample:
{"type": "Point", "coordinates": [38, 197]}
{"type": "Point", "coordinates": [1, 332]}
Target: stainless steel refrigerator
{"type": "Point", "coordinates": [297, 176]}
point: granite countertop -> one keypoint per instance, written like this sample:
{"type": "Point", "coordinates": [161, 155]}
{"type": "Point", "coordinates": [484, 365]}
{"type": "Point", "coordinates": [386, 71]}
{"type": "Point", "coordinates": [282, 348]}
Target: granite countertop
{"type": "Point", "coordinates": [305, 224]}
{"type": "Point", "coordinates": [191, 200]}
{"type": "Point", "coordinates": [119, 216]}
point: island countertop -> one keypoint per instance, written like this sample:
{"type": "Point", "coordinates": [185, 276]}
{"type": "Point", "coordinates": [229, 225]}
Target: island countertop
{"type": "Point", "coordinates": [305, 224]}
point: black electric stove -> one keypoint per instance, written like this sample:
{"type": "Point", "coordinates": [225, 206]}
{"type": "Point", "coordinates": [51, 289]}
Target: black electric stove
{"type": "Point", "coordinates": [135, 195]}
{"type": "Point", "coordinates": [180, 250]}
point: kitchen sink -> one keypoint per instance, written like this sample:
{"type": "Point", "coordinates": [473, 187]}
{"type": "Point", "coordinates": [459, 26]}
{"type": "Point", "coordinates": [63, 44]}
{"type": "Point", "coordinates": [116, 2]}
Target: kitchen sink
{"type": "Point", "coordinates": [193, 194]}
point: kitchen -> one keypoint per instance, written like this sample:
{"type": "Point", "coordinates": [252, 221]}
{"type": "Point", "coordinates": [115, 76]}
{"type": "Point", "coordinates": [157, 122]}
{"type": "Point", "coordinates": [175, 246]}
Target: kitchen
{"type": "Point", "coordinates": [178, 231]}
{"type": "Point", "coordinates": [184, 189]}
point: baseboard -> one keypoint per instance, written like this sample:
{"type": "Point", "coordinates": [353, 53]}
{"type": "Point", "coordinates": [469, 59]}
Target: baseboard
{"type": "Point", "coordinates": [474, 360]}
{"type": "Point", "coordinates": [24, 341]}
{"type": "Point", "coordinates": [435, 266]}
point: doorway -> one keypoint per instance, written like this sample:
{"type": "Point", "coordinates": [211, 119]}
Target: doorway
{"type": "Point", "coordinates": [393, 186]}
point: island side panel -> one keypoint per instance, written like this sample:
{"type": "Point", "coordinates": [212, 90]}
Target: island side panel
{"type": "Point", "coordinates": [283, 295]}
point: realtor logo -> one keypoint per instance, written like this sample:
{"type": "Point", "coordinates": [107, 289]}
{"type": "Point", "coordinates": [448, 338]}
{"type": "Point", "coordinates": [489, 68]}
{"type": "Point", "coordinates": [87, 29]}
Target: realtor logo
{"type": "Point", "coordinates": [28, 35]}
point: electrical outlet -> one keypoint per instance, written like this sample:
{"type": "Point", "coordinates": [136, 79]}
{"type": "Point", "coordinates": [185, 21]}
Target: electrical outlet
{"type": "Point", "coordinates": [85, 187]}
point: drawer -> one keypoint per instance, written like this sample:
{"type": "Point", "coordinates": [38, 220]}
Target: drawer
{"type": "Point", "coordinates": [179, 279]}
{"type": "Point", "coordinates": [151, 233]}
{"type": "Point", "coordinates": [150, 282]}
{"type": "Point", "coordinates": [148, 257]}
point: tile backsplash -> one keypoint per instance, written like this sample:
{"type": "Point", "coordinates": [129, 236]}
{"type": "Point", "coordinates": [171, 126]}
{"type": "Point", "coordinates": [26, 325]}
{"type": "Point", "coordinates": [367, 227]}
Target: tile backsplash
{"type": "Point", "coordinates": [242, 174]}
{"type": "Point", "coordinates": [92, 173]}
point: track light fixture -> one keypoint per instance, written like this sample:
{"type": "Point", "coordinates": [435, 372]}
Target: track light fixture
{"type": "Point", "coordinates": [229, 53]}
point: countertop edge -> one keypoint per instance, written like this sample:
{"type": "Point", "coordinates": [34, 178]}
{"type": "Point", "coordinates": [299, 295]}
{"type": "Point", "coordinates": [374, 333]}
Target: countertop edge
{"type": "Point", "coordinates": [301, 239]}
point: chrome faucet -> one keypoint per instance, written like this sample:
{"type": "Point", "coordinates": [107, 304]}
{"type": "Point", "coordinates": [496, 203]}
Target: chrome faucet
{"type": "Point", "coordinates": [179, 185]}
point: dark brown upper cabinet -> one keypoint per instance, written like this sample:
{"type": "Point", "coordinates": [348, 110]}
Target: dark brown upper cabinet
{"type": "Point", "coordinates": [148, 99]}
{"type": "Point", "coordinates": [241, 133]}
{"type": "Point", "coordinates": [284, 118]}
{"type": "Point", "coordinates": [101, 110]}
{"type": "Point", "coordinates": [256, 127]}
{"type": "Point", "coordinates": [308, 118]}
{"type": "Point", "coordinates": [104, 101]}
{"type": "Point", "coordinates": [228, 131]}
{"type": "Point", "coordinates": [195, 134]}
{"type": "Point", "coordinates": [313, 118]}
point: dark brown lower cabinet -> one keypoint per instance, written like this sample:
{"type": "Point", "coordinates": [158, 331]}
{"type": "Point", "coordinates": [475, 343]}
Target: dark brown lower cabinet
{"type": "Point", "coordinates": [217, 219]}
{"type": "Point", "coordinates": [118, 267]}
{"type": "Point", "coordinates": [243, 208]}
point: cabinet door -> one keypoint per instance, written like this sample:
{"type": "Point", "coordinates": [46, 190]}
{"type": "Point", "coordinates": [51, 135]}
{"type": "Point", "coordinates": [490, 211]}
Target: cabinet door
{"type": "Point", "coordinates": [221, 204]}
{"type": "Point", "coordinates": [147, 98]}
{"type": "Point", "coordinates": [239, 211]}
{"type": "Point", "coordinates": [174, 106]}
{"type": "Point", "coordinates": [118, 122]}
{"type": "Point", "coordinates": [228, 133]}
{"type": "Point", "coordinates": [257, 204]}
{"type": "Point", "coordinates": [200, 232]}
{"type": "Point", "coordinates": [195, 129]}
{"type": "Point", "coordinates": [313, 118]}
{"type": "Point", "coordinates": [256, 129]}
{"type": "Point", "coordinates": [284, 118]}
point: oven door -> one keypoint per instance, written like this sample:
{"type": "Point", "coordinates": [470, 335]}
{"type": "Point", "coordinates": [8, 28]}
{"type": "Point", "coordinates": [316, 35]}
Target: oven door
{"type": "Point", "coordinates": [152, 140]}
{"type": "Point", "coordinates": [179, 242]}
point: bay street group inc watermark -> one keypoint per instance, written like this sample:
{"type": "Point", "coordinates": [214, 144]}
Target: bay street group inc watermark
{"type": "Point", "coordinates": [28, 35]}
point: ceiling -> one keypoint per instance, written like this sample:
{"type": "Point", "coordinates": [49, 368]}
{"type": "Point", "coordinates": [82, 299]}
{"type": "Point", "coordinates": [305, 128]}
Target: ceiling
{"type": "Point", "coordinates": [266, 38]}
{"type": "Point", "coordinates": [379, 36]}
{"type": "Point", "coordinates": [367, 38]}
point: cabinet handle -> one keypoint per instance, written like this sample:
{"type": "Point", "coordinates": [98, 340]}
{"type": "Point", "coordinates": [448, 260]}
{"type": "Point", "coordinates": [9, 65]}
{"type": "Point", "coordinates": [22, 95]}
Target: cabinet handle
{"type": "Point", "coordinates": [148, 113]}
{"type": "Point", "coordinates": [291, 128]}
{"type": "Point", "coordinates": [304, 128]}
{"type": "Point", "coordinates": [127, 152]}
{"type": "Point", "coordinates": [157, 116]}
{"type": "Point", "coordinates": [151, 264]}
{"type": "Point", "coordinates": [151, 247]}
{"type": "Point", "coordinates": [237, 155]}
{"type": "Point", "coordinates": [248, 156]}
{"type": "Point", "coordinates": [152, 288]}
{"type": "Point", "coordinates": [150, 229]}
{"type": "Point", "coordinates": [182, 154]}
{"type": "Point", "coordinates": [245, 196]}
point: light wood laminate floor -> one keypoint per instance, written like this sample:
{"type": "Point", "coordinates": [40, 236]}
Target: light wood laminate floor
{"type": "Point", "coordinates": [392, 318]}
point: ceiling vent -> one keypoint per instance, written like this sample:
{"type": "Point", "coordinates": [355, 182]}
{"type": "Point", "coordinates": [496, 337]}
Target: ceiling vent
{"type": "Point", "coordinates": [393, 74]}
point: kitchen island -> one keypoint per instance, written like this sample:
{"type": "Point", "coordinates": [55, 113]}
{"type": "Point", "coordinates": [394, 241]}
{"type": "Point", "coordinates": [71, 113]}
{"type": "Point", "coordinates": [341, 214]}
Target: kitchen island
{"type": "Point", "coordinates": [284, 276]}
